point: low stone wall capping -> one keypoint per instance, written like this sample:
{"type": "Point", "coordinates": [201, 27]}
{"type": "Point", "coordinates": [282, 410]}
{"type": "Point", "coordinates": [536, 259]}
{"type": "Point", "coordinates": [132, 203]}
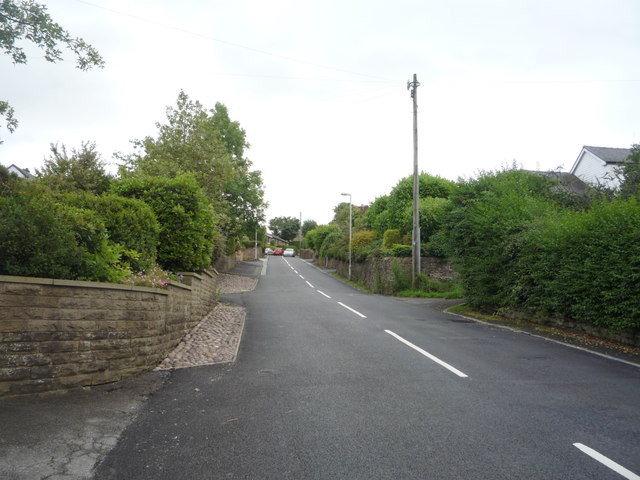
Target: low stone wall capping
{"type": "Point", "coordinates": [61, 334]}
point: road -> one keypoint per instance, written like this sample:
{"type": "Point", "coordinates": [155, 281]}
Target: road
{"type": "Point", "coordinates": [331, 383]}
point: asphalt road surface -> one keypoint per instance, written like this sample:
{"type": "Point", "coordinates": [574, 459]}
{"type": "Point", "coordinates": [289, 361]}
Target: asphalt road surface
{"type": "Point", "coordinates": [332, 383]}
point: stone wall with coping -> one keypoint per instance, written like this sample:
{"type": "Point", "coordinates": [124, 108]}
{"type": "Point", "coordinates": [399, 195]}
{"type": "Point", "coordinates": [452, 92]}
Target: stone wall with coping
{"type": "Point", "coordinates": [61, 334]}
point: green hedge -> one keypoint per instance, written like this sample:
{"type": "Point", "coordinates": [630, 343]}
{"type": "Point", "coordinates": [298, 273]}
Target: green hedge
{"type": "Point", "coordinates": [129, 222]}
{"type": "Point", "coordinates": [584, 266]}
{"type": "Point", "coordinates": [42, 237]}
{"type": "Point", "coordinates": [187, 222]}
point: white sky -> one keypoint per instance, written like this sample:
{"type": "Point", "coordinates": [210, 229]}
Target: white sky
{"type": "Point", "coordinates": [320, 87]}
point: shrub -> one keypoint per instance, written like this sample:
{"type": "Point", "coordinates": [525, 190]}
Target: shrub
{"type": "Point", "coordinates": [401, 251]}
{"type": "Point", "coordinates": [401, 279]}
{"type": "Point", "coordinates": [187, 226]}
{"type": "Point", "coordinates": [584, 266]}
{"type": "Point", "coordinates": [484, 230]}
{"type": "Point", "coordinates": [317, 236]}
{"type": "Point", "coordinates": [40, 237]}
{"type": "Point", "coordinates": [390, 238]}
{"type": "Point", "coordinates": [129, 222]}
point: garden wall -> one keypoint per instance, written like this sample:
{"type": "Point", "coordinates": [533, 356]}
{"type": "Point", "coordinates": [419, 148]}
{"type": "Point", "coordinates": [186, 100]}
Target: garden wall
{"type": "Point", "coordinates": [61, 334]}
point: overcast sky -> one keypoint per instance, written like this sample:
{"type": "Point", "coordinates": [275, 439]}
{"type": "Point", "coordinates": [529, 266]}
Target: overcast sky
{"type": "Point", "coordinates": [321, 87]}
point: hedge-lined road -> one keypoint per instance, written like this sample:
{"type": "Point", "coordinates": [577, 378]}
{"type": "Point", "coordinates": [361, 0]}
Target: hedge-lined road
{"type": "Point", "coordinates": [332, 383]}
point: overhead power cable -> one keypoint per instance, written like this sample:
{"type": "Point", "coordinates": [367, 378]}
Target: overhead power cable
{"type": "Point", "coordinates": [232, 44]}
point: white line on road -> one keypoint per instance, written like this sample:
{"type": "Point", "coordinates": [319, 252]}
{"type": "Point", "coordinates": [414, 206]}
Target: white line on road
{"type": "Point", "coordinates": [322, 293]}
{"type": "Point", "coordinates": [619, 469]}
{"type": "Point", "coordinates": [349, 308]}
{"type": "Point", "coordinates": [427, 354]}
{"type": "Point", "coordinates": [301, 276]}
{"type": "Point", "coordinates": [309, 284]}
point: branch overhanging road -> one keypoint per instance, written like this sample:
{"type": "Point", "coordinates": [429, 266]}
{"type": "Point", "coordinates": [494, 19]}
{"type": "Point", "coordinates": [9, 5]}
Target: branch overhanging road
{"type": "Point", "coordinates": [333, 383]}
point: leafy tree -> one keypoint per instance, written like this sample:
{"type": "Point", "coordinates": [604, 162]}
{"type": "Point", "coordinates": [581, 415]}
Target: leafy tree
{"type": "Point", "coordinates": [82, 170]}
{"type": "Point", "coordinates": [211, 147]}
{"type": "Point", "coordinates": [307, 226]}
{"type": "Point", "coordinates": [28, 20]}
{"type": "Point", "coordinates": [317, 235]}
{"type": "Point", "coordinates": [341, 216]}
{"type": "Point", "coordinates": [285, 227]}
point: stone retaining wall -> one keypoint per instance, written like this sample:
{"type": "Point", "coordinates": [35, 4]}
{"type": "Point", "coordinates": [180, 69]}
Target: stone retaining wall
{"type": "Point", "coordinates": [377, 273]}
{"type": "Point", "coordinates": [60, 334]}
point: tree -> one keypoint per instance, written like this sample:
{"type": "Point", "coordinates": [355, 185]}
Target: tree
{"type": "Point", "coordinates": [285, 227]}
{"type": "Point", "coordinates": [308, 225]}
{"type": "Point", "coordinates": [83, 170]}
{"type": "Point", "coordinates": [28, 20]}
{"type": "Point", "coordinates": [209, 145]}
{"type": "Point", "coordinates": [341, 216]}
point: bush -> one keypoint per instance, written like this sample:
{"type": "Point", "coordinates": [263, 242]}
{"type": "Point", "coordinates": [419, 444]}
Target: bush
{"type": "Point", "coordinates": [401, 279]}
{"type": "Point", "coordinates": [187, 226]}
{"type": "Point", "coordinates": [129, 222]}
{"type": "Point", "coordinates": [401, 251]}
{"type": "Point", "coordinates": [484, 230]}
{"type": "Point", "coordinates": [40, 237]}
{"type": "Point", "coordinates": [390, 238]}
{"type": "Point", "coordinates": [584, 266]}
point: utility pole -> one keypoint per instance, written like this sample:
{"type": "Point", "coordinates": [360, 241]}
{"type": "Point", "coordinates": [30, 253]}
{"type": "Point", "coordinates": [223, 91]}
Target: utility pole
{"type": "Point", "coordinates": [415, 252]}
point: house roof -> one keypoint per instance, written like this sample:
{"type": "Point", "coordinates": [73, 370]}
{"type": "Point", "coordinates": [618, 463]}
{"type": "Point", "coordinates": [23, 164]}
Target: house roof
{"type": "Point", "coordinates": [609, 155]}
{"type": "Point", "coordinates": [22, 172]}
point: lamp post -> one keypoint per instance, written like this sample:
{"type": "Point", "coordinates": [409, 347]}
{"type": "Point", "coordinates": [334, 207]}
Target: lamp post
{"type": "Point", "coordinates": [348, 194]}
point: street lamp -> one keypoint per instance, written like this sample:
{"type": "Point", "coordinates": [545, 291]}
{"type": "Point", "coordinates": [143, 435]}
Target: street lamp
{"type": "Point", "coordinates": [348, 194]}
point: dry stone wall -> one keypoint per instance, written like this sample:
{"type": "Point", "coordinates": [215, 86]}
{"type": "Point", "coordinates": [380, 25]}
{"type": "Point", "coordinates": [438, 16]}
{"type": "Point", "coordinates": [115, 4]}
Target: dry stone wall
{"type": "Point", "coordinates": [60, 334]}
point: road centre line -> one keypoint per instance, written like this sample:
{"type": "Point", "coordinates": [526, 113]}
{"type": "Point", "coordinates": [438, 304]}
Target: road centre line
{"type": "Point", "coordinates": [322, 293]}
{"type": "Point", "coordinates": [309, 284]}
{"type": "Point", "coordinates": [301, 276]}
{"type": "Point", "coordinates": [619, 469]}
{"type": "Point", "coordinates": [351, 309]}
{"type": "Point", "coordinates": [428, 355]}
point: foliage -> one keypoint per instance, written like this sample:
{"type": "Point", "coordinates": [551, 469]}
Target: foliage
{"type": "Point", "coordinates": [209, 145]}
{"type": "Point", "coordinates": [584, 266]}
{"type": "Point", "coordinates": [341, 216]}
{"type": "Point", "coordinates": [317, 236]}
{"type": "Point", "coordinates": [432, 211]}
{"type": "Point", "coordinates": [401, 251]}
{"type": "Point", "coordinates": [390, 238]}
{"type": "Point", "coordinates": [285, 227]}
{"type": "Point", "coordinates": [9, 182]}
{"type": "Point", "coordinates": [27, 20]}
{"type": "Point", "coordinates": [629, 175]}
{"type": "Point", "coordinates": [187, 224]}
{"type": "Point", "coordinates": [401, 279]}
{"type": "Point", "coordinates": [307, 226]}
{"type": "Point", "coordinates": [129, 222]}
{"type": "Point", "coordinates": [154, 277]}
{"type": "Point", "coordinates": [484, 228]}
{"type": "Point", "coordinates": [81, 170]}
{"type": "Point", "coordinates": [334, 245]}
{"type": "Point", "coordinates": [41, 237]}
{"type": "Point", "coordinates": [362, 243]}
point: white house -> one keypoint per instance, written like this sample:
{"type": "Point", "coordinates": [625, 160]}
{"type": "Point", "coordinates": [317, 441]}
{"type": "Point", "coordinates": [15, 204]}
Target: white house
{"type": "Point", "coordinates": [597, 165]}
{"type": "Point", "coordinates": [21, 172]}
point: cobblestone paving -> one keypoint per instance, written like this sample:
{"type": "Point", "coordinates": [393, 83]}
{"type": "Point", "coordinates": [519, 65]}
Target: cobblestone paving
{"type": "Point", "coordinates": [217, 337]}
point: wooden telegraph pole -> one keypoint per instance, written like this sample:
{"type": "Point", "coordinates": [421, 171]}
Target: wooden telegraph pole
{"type": "Point", "coordinates": [415, 252]}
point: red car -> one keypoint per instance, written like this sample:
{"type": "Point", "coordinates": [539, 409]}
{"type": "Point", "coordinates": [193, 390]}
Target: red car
{"type": "Point", "coordinates": [278, 251]}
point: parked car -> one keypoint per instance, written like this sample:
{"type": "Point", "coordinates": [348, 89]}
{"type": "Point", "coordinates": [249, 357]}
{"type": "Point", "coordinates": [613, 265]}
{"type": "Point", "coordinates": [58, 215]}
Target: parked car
{"type": "Point", "coordinates": [268, 251]}
{"type": "Point", "coordinates": [278, 251]}
{"type": "Point", "coordinates": [289, 252]}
